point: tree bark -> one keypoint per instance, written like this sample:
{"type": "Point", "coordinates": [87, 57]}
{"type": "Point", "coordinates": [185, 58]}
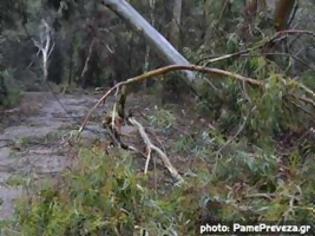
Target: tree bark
{"type": "Point", "coordinates": [3, 90]}
{"type": "Point", "coordinates": [283, 12]}
{"type": "Point", "coordinates": [176, 21]}
{"type": "Point", "coordinates": [158, 42]}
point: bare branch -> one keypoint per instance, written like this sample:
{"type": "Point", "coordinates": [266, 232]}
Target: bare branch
{"type": "Point", "coordinates": [166, 70]}
{"type": "Point", "coordinates": [87, 61]}
{"type": "Point", "coordinates": [263, 43]}
{"type": "Point", "coordinates": [151, 147]}
{"type": "Point", "coordinates": [206, 70]}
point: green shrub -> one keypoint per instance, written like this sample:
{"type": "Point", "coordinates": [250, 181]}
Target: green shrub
{"type": "Point", "coordinates": [98, 196]}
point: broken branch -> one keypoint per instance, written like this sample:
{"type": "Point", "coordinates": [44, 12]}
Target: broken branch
{"type": "Point", "coordinates": [207, 70]}
{"type": "Point", "coordinates": [166, 70]}
{"type": "Point", "coordinates": [151, 147]}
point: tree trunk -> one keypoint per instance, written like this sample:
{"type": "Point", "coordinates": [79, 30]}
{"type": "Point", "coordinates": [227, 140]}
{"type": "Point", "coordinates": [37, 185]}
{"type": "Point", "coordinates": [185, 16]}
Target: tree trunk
{"type": "Point", "coordinates": [176, 21]}
{"type": "Point", "coordinates": [213, 10]}
{"type": "Point", "coordinates": [3, 90]}
{"type": "Point", "coordinates": [158, 42]}
{"type": "Point", "coordinates": [283, 12]}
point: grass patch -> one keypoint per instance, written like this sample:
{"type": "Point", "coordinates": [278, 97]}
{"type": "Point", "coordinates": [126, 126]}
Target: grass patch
{"type": "Point", "coordinates": [162, 118]}
{"type": "Point", "coordinates": [17, 180]}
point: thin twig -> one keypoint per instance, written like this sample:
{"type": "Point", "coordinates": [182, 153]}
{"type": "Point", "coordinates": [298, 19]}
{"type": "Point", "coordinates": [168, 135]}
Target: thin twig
{"type": "Point", "coordinates": [263, 43]}
{"type": "Point", "coordinates": [296, 58]}
{"type": "Point", "coordinates": [268, 196]}
{"type": "Point", "coordinates": [88, 59]}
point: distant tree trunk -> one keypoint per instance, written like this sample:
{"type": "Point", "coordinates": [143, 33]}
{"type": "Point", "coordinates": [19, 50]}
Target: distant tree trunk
{"type": "Point", "coordinates": [152, 4]}
{"type": "Point", "coordinates": [158, 42]}
{"type": "Point", "coordinates": [284, 9]}
{"type": "Point", "coordinates": [173, 88]}
{"type": "Point", "coordinates": [71, 63]}
{"type": "Point", "coordinates": [176, 22]}
{"type": "Point", "coordinates": [209, 15]}
{"type": "Point", "coordinates": [251, 10]}
{"type": "Point", "coordinates": [148, 48]}
{"type": "Point", "coordinates": [56, 64]}
{"type": "Point", "coordinates": [3, 90]}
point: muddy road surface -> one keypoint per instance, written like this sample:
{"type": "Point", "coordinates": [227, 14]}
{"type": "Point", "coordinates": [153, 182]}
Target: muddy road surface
{"type": "Point", "coordinates": [33, 141]}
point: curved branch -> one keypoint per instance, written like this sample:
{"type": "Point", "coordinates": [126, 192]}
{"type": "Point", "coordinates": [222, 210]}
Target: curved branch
{"type": "Point", "coordinates": [166, 70]}
{"type": "Point", "coordinates": [172, 68]}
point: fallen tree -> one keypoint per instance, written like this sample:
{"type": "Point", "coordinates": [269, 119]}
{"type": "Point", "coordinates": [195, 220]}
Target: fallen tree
{"type": "Point", "coordinates": [308, 97]}
{"type": "Point", "coordinates": [162, 47]}
{"type": "Point", "coordinates": [163, 71]}
{"type": "Point", "coordinates": [296, 91]}
{"type": "Point", "coordinates": [168, 52]}
{"type": "Point", "coordinates": [304, 95]}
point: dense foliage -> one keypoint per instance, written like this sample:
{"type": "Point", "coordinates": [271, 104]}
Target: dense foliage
{"type": "Point", "coordinates": [105, 196]}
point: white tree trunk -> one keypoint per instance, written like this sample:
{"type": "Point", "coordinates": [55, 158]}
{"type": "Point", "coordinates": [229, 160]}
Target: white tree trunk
{"type": "Point", "coordinates": [158, 42]}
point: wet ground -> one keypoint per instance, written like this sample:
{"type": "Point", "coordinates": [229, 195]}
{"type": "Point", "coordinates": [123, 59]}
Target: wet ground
{"type": "Point", "coordinates": [34, 138]}
{"type": "Point", "coordinates": [34, 144]}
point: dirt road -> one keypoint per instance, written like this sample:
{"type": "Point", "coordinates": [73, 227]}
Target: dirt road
{"type": "Point", "coordinates": [35, 145]}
